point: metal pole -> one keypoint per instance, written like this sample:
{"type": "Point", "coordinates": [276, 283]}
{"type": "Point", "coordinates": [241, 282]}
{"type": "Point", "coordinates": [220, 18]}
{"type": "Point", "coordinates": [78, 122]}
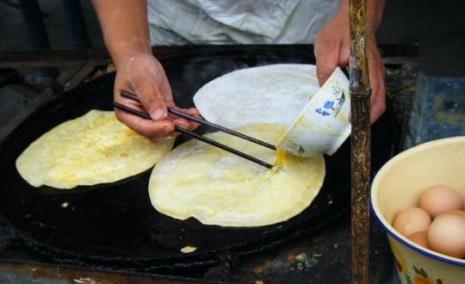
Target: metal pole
{"type": "Point", "coordinates": [361, 141]}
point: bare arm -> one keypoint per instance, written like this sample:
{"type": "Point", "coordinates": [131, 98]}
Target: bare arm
{"type": "Point", "coordinates": [125, 29]}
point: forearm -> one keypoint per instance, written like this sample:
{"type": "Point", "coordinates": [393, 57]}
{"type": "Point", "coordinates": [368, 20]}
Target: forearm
{"type": "Point", "coordinates": [375, 13]}
{"type": "Point", "coordinates": [124, 26]}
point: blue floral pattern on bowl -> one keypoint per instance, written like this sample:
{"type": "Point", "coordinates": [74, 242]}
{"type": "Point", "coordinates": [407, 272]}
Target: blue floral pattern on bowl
{"type": "Point", "coordinates": [332, 107]}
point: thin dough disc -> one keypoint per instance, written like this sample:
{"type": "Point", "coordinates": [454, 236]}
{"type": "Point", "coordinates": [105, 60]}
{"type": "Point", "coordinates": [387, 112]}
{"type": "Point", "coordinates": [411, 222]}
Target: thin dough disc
{"type": "Point", "coordinates": [218, 188]}
{"type": "Point", "coordinates": [91, 149]}
{"type": "Point", "coordinates": [267, 94]}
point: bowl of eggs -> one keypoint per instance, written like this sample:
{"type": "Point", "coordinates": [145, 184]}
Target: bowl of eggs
{"type": "Point", "coordinates": [419, 198]}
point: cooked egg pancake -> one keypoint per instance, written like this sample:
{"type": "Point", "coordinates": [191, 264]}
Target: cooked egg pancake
{"type": "Point", "coordinates": [91, 149]}
{"type": "Point", "coordinates": [219, 188]}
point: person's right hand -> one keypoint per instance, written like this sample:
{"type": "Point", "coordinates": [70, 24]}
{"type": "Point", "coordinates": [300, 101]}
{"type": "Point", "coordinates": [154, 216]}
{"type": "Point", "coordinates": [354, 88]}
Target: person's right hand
{"type": "Point", "coordinates": [143, 75]}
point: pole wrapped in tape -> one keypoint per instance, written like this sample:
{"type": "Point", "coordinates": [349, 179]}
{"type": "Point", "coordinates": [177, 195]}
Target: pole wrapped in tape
{"type": "Point", "coordinates": [361, 141]}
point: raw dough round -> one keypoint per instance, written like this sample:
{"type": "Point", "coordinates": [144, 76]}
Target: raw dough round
{"type": "Point", "coordinates": [273, 94]}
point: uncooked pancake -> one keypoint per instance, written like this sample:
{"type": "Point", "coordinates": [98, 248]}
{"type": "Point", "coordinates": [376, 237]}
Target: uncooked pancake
{"type": "Point", "coordinates": [219, 188]}
{"type": "Point", "coordinates": [91, 149]}
{"type": "Point", "coordinates": [267, 94]}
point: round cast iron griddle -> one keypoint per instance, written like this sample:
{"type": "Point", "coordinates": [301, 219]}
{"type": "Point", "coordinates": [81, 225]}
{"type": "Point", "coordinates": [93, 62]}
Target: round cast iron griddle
{"type": "Point", "coordinates": [115, 224]}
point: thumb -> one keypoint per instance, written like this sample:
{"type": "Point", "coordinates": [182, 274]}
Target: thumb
{"type": "Point", "coordinates": [152, 100]}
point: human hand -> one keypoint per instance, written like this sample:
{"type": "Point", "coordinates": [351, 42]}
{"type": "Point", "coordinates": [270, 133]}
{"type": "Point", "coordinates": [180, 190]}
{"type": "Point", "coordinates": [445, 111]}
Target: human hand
{"type": "Point", "coordinates": [142, 74]}
{"type": "Point", "coordinates": [332, 49]}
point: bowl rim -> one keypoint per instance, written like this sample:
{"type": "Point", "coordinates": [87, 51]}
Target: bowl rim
{"type": "Point", "coordinates": [387, 226]}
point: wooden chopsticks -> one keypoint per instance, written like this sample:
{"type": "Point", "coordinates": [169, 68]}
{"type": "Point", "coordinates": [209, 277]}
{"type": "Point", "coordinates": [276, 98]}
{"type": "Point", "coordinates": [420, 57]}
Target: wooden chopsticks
{"type": "Point", "coordinates": [207, 140]}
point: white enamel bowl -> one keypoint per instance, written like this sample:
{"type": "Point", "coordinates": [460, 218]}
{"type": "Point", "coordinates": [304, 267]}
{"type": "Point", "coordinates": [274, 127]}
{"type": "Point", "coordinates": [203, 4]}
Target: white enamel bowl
{"type": "Point", "coordinates": [397, 186]}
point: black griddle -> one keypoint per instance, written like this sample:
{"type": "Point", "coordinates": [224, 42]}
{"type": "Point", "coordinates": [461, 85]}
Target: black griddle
{"type": "Point", "coordinates": [114, 225]}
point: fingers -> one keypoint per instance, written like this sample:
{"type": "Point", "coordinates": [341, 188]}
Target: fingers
{"type": "Point", "coordinates": [142, 126]}
{"type": "Point", "coordinates": [185, 122]}
{"type": "Point", "coordinates": [344, 53]}
{"type": "Point", "coordinates": [152, 100]}
{"type": "Point", "coordinates": [147, 78]}
{"type": "Point", "coordinates": [327, 59]}
{"type": "Point", "coordinates": [182, 122]}
{"type": "Point", "coordinates": [194, 112]}
{"type": "Point", "coordinates": [146, 127]}
{"type": "Point", "coordinates": [378, 103]}
{"type": "Point", "coordinates": [152, 128]}
{"type": "Point", "coordinates": [332, 49]}
{"type": "Point", "coordinates": [165, 89]}
{"type": "Point", "coordinates": [330, 55]}
{"type": "Point", "coordinates": [377, 82]}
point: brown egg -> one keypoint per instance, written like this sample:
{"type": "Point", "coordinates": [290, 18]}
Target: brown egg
{"type": "Point", "coordinates": [439, 199]}
{"type": "Point", "coordinates": [447, 235]}
{"type": "Point", "coordinates": [460, 213]}
{"type": "Point", "coordinates": [420, 238]}
{"type": "Point", "coordinates": [412, 220]}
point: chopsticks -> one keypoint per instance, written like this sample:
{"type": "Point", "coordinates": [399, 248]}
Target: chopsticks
{"type": "Point", "coordinates": [207, 140]}
{"type": "Point", "coordinates": [215, 126]}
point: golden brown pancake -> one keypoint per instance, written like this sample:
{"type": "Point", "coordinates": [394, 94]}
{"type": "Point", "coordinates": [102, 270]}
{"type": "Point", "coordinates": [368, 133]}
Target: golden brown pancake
{"type": "Point", "coordinates": [92, 149]}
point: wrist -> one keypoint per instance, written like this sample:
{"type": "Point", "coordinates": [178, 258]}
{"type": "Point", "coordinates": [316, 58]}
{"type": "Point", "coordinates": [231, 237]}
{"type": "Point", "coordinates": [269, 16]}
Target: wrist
{"type": "Point", "coordinates": [123, 51]}
{"type": "Point", "coordinates": [342, 14]}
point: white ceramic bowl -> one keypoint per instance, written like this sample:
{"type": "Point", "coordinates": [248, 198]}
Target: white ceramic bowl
{"type": "Point", "coordinates": [398, 186]}
{"type": "Point", "coordinates": [323, 125]}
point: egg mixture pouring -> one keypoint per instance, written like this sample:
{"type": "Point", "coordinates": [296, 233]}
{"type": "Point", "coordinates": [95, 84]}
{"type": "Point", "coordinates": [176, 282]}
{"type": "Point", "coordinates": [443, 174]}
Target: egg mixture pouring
{"type": "Point", "coordinates": [218, 188]}
{"type": "Point", "coordinates": [91, 149]}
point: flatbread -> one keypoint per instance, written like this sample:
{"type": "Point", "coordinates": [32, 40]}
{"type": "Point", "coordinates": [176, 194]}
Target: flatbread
{"type": "Point", "coordinates": [218, 188]}
{"type": "Point", "coordinates": [91, 149]}
{"type": "Point", "coordinates": [273, 94]}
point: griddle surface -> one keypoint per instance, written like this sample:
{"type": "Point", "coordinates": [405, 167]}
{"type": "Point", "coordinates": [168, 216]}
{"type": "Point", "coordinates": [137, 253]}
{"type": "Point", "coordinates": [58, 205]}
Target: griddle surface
{"type": "Point", "coordinates": [115, 224]}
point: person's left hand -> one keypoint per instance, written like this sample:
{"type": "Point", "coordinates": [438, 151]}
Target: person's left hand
{"type": "Point", "coordinates": [332, 49]}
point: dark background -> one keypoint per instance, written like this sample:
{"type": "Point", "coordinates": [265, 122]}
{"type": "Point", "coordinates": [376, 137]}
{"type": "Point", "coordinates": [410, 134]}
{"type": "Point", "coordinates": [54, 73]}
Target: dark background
{"type": "Point", "coordinates": [437, 26]}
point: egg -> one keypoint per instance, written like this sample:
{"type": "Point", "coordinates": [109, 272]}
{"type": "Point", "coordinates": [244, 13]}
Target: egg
{"type": "Point", "coordinates": [412, 220]}
{"type": "Point", "coordinates": [447, 235]}
{"type": "Point", "coordinates": [439, 199]}
{"type": "Point", "coordinates": [420, 238]}
{"type": "Point", "coordinates": [460, 213]}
